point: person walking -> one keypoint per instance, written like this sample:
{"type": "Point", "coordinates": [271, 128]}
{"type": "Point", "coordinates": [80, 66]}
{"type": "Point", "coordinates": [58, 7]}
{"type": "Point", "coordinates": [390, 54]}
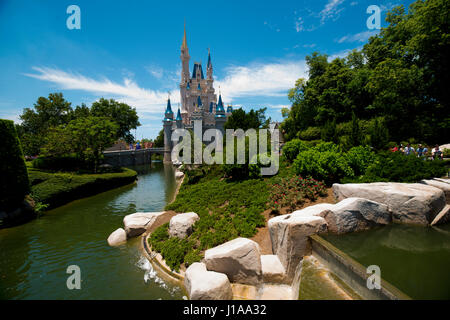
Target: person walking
{"type": "Point", "coordinates": [409, 150]}
{"type": "Point", "coordinates": [436, 153]}
{"type": "Point", "coordinates": [422, 152]}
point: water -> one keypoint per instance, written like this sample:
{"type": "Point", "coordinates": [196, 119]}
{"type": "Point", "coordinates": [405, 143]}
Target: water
{"type": "Point", "coordinates": [415, 259]}
{"type": "Point", "coordinates": [34, 256]}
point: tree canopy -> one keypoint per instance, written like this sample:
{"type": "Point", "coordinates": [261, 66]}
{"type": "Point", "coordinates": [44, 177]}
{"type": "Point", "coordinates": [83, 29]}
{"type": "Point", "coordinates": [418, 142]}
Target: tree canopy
{"type": "Point", "coordinates": [240, 119]}
{"type": "Point", "coordinates": [399, 78]}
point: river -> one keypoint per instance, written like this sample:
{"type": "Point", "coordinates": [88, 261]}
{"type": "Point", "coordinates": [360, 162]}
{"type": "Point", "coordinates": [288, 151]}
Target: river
{"type": "Point", "coordinates": [34, 256]}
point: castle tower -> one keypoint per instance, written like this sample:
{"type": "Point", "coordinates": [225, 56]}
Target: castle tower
{"type": "Point", "coordinates": [220, 116]}
{"type": "Point", "coordinates": [167, 125]}
{"type": "Point", "coordinates": [179, 119]}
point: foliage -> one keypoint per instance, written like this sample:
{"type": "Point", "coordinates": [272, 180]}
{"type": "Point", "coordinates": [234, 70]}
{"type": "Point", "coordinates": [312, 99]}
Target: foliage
{"type": "Point", "coordinates": [56, 189]}
{"type": "Point", "coordinates": [325, 162]}
{"type": "Point", "coordinates": [328, 132]}
{"type": "Point", "coordinates": [312, 133]}
{"type": "Point", "coordinates": [122, 114]}
{"type": "Point", "coordinates": [291, 192]}
{"type": "Point", "coordinates": [66, 162]}
{"type": "Point", "coordinates": [46, 122]}
{"type": "Point", "coordinates": [14, 181]}
{"type": "Point", "coordinates": [378, 135]}
{"type": "Point", "coordinates": [399, 76]}
{"type": "Point", "coordinates": [397, 167]}
{"type": "Point", "coordinates": [159, 140]}
{"type": "Point", "coordinates": [359, 159]}
{"type": "Point", "coordinates": [292, 148]}
{"type": "Point", "coordinates": [253, 119]}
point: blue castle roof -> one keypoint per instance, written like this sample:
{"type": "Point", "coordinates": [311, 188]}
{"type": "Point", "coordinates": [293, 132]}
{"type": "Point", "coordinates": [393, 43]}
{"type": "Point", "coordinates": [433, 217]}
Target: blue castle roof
{"type": "Point", "coordinates": [179, 118]}
{"type": "Point", "coordinates": [199, 87]}
{"type": "Point", "coordinates": [220, 105]}
{"type": "Point", "coordinates": [211, 107]}
{"type": "Point", "coordinates": [168, 108]}
{"type": "Point", "coordinates": [199, 101]}
{"type": "Point", "coordinates": [188, 87]}
{"type": "Point", "coordinates": [194, 72]}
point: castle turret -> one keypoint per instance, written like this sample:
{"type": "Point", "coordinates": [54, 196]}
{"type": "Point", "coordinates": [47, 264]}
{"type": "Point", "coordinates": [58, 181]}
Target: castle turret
{"type": "Point", "coordinates": [167, 125]}
{"type": "Point", "coordinates": [179, 119]}
{"type": "Point", "coordinates": [209, 68]}
{"type": "Point", "coordinates": [220, 116]}
{"type": "Point", "coordinates": [184, 59]}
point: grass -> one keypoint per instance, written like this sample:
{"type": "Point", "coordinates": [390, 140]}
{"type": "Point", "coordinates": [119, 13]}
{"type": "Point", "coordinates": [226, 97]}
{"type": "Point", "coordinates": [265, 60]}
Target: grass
{"type": "Point", "coordinates": [227, 209]}
{"type": "Point", "coordinates": [55, 189]}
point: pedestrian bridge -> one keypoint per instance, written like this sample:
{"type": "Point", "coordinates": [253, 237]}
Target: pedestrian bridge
{"type": "Point", "coordinates": [127, 158]}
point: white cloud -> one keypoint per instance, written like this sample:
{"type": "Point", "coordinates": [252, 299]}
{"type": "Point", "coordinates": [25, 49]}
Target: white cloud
{"type": "Point", "coordinates": [144, 100]}
{"type": "Point", "coordinates": [331, 10]}
{"type": "Point", "coordinates": [358, 37]}
{"type": "Point", "coordinates": [265, 80]}
{"type": "Point", "coordinates": [299, 25]}
{"type": "Point", "coordinates": [155, 71]}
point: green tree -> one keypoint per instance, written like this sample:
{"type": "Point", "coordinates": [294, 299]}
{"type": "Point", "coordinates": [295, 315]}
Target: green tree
{"type": "Point", "coordinates": [46, 113]}
{"type": "Point", "coordinates": [240, 119]}
{"type": "Point", "coordinates": [159, 140]}
{"type": "Point", "coordinates": [90, 136]}
{"type": "Point", "coordinates": [125, 116]}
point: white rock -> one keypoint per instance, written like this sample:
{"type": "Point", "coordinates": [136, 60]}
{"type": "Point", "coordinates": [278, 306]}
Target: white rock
{"type": "Point", "coordinates": [272, 269]}
{"type": "Point", "coordinates": [117, 238]}
{"type": "Point", "coordinates": [444, 186]}
{"type": "Point", "coordinates": [139, 222]}
{"type": "Point", "coordinates": [202, 284]}
{"type": "Point", "coordinates": [179, 175]}
{"type": "Point", "coordinates": [413, 203]}
{"type": "Point", "coordinates": [239, 259]}
{"type": "Point", "coordinates": [289, 234]}
{"type": "Point", "coordinates": [357, 214]}
{"type": "Point", "coordinates": [181, 224]}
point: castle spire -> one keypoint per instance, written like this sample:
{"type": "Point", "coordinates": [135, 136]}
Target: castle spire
{"type": "Point", "coordinates": [184, 45]}
{"type": "Point", "coordinates": [209, 59]}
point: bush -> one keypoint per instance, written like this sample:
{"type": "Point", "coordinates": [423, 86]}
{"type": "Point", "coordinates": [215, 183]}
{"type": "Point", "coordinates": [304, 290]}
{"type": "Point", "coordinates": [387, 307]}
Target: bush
{"type": "Point", "coordinates": [397, 167]}
{"type": "Point", "coordinates": [312, 133]}
{"type": "Point", "coordinates": [292, 148]}
{"type": "Point", "coordinates": [56, 189]}
{"type": "Point", "coordinates": [68, 162]}
{"type": "Point", "coordinates": [324, 162]}
{"type": "Point", "coordinates": [291, 192]}
{"type": "Point", "coordinates": [14, 181]}
{"type": "Point", "coordinates": [359, 158]}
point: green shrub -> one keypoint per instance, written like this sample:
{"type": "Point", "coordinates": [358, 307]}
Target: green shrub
{"type": "Point", "coordinates": [324, 162]}
{"type": "Point", "coordinates": [312, 133]}
{"type": "Point", "coordinates": [397, 167]}
{"type": "Point", "coordinates": [68, 162]}
{"type": "Point", "coordinates": [292, 148]}
{"type": "Point", "coordinates": [14, 176]}
{"type": "Point", "coordinates": [359, 158]}
{"type": "Point", "coordinates": [56, 189]}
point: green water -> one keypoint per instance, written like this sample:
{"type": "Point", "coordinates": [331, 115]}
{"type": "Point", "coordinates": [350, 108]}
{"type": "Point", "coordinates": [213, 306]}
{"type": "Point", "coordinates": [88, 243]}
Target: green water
{"type": "Point", "coordinates": [414, 259]}
{"type": "Point", "coordinates": [34, 256]}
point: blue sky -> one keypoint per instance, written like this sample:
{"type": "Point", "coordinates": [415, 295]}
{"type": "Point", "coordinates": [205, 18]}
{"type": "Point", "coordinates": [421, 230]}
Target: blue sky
{"type": "Point", "coordinates": [129, 50]}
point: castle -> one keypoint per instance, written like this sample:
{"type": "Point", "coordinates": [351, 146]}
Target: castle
{"type": "Point", "coordinates": [198, 101]}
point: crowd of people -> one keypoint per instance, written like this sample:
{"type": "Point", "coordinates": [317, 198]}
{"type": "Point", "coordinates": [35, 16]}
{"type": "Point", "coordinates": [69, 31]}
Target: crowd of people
{"type": "Point", "coordinates": [138, 146]}
{"type": "Point", "coordinates": [420, 152]}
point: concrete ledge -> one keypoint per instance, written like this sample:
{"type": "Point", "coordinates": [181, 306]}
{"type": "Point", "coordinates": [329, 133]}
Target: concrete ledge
{"type": "Point", "coordinates": [351, 272]}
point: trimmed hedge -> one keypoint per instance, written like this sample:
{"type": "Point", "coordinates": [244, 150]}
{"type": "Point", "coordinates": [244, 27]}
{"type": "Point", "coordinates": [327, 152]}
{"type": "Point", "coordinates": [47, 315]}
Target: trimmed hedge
{"type": "Point", "coordinates": [14, 183]}
{"type": "Point", "coordinates": [56, 189]}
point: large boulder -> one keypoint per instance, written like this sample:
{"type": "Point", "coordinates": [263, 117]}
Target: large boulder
{"type": "Point", "coordinates": [272, 269]}
{"type": "Point", "coordinates": [202, 284]}
{"type": "Point", "coordinates": [239, 259]}
{"type": "Point", "coordinates": [117, 238]}
{"type": "Point", "coordinates": [139, 222]}
{"type": "Point", "coordinates": [289, 234]}
{"type": "Point", "coordinates": [181, 224]}
{"type": "Point", "coordinates": [442, 217]}
{"type": "Point", "coordinates": [412, 203]}
{"type": "Point", "coordinates": [357, 214]}
{"type": "Point", "coordinates": [441, 184]}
